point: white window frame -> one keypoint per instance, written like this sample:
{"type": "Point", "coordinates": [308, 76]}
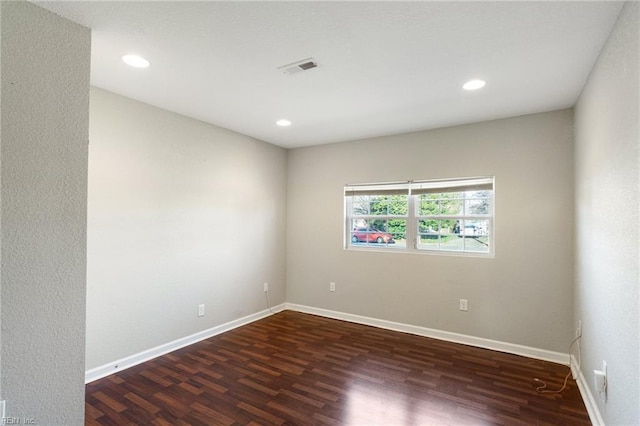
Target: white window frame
{"type": "Point", "coordinates": [413, 218]}
{"type": "Point", "coordinates": [390, 188]}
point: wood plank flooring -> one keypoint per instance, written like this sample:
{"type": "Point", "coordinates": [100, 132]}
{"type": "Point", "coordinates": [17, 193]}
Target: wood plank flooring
{"type": "Point", "coordinates": [299, 369]}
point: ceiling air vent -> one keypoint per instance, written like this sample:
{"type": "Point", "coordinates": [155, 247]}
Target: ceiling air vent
{"type": "Point", "coordinates": [299, 66]}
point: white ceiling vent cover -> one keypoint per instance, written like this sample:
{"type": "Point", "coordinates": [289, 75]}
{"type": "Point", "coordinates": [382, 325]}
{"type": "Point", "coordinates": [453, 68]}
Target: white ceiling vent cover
{"type": "Point", "coordinates": [299, 66]}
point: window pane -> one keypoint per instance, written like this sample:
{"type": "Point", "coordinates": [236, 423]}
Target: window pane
{"type": "Point", "coordinates": [398, 205]}
{"type": "Point", "coordinates": [378, 205]}
{"type": "Point", "coordinates": [450, 239]}
{"type": "Point", "coordinates": [474, 228]}
{"type": "Point", "coordinates": [428, 205]}
{"type": "Point", "coordinates": [451, 206]}
{"type": "Point", "coordinates": [477, 244]}
{"type": "Point", "coordinates": [389, 205]}
{"type": "Point", "coordinates": [476, 206]}
{"type": "Point", "coordinates": [448, 203]}
{"type": "Point", "coordinates": [429, 226]}
{"type": "Point", "coordinates": [439, 234]}
{"type": "Point", "coordinates": [360, 206]}
{"type": "Point", "coordinates": [454, 235]}
{"type": "Point", "coordinates": [398, 228]}
{"type": "Point", "coordinates": [448, 226]}
{"type": "Point", "coordinates": [476, 235]}
{"type": "Point", "coordinates": [429, 234]}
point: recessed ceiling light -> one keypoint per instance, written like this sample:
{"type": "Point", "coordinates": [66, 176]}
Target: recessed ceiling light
{"type": "Point", "coordinates": [135, 61]}
{"type": "Point", "coordinates": [473, 85]}
{"type": "Point", "coordinates": [283, 123]}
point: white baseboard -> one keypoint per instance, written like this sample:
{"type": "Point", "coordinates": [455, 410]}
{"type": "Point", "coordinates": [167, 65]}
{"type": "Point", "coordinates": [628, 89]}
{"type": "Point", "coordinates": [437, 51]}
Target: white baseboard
{"type": "Point", "coordinates": [542, 354]}
{"type": "Point", "coordinates": [135, 359]}
{"type": "Point", "coordinates": [587, 396]}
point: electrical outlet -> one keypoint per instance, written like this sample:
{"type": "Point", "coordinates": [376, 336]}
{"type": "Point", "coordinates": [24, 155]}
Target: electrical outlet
{"type": "Point", "coordinates": [600, 381]}
{"type": "Point", "coordinates": [332, 286]}
{"type": "Point", "coordinates": [200, 310]}
{"type": "Point", "coordinates": [579, 329]}
{"type": "Point", "coordinates": [266, 287]}
{"type": "Point", "coordinates": [464, 305]}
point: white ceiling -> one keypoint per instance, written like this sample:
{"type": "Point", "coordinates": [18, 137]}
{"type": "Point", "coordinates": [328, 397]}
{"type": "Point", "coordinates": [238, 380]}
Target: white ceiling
{"type": "Point", "coordinates": [383, 67]}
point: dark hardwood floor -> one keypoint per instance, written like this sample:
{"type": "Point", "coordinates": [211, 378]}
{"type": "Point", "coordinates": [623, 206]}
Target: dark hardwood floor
{"type": "Point", "coordinates": [294, 368]}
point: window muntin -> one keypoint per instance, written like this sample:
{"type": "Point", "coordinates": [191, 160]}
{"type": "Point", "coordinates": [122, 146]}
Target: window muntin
{"type": "Point", "coordinates": [378, 219]}
{"type": "Point", "coordinates": [434, 216]}
{"type": "Point", "coordinates": [455, 221]}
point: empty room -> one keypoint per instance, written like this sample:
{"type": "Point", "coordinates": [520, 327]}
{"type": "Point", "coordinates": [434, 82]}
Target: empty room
{"type": "Point", "coordinates": [347, 213]}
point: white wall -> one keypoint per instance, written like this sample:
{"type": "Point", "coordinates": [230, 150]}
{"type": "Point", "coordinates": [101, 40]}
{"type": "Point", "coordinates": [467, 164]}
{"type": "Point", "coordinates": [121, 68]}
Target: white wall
{"type": "Point", "coordinates": [45, 119]}
{"type": "Point", "coordinates": [522, 296]}
{"type": "Point", "coordinates": [607, 293]}
{"type": "Point", "coordinates": [181, 213]}
{"type": "Point", "coordinates": [1, 398]}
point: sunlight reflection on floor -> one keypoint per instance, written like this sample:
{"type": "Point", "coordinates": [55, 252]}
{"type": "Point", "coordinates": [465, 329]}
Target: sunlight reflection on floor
{"type": "Point", "coordinates": [373, 404]}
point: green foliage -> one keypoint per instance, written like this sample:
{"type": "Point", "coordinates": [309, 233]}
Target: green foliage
{"type": "Point", "coordinates": [447, 203]}
{"type": "Point", "coordinates": [384, 205]}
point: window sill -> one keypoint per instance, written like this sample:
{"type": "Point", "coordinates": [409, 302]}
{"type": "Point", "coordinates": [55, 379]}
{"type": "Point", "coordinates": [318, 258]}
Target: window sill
{"type": "Point", "coordinates": [402, 250]}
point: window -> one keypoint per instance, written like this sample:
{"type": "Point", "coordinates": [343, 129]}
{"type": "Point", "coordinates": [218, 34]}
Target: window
{"type": "Point", "coordinates": [378, 215]}
{"type": "Point", "coordinates": [454, 215]}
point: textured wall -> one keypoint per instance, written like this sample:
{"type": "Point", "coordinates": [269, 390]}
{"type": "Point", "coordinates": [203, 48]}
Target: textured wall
{"type": "Point", "coordinates": [607, 291]}
{"type": "Point", "coordinates": [1, 397]}
{"type": "Point", "coordinates": [181, 213]}
{"type": "Point", "coordinates": [522, 296]}
{"type": "Point", "coordinates": [45, 113]}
